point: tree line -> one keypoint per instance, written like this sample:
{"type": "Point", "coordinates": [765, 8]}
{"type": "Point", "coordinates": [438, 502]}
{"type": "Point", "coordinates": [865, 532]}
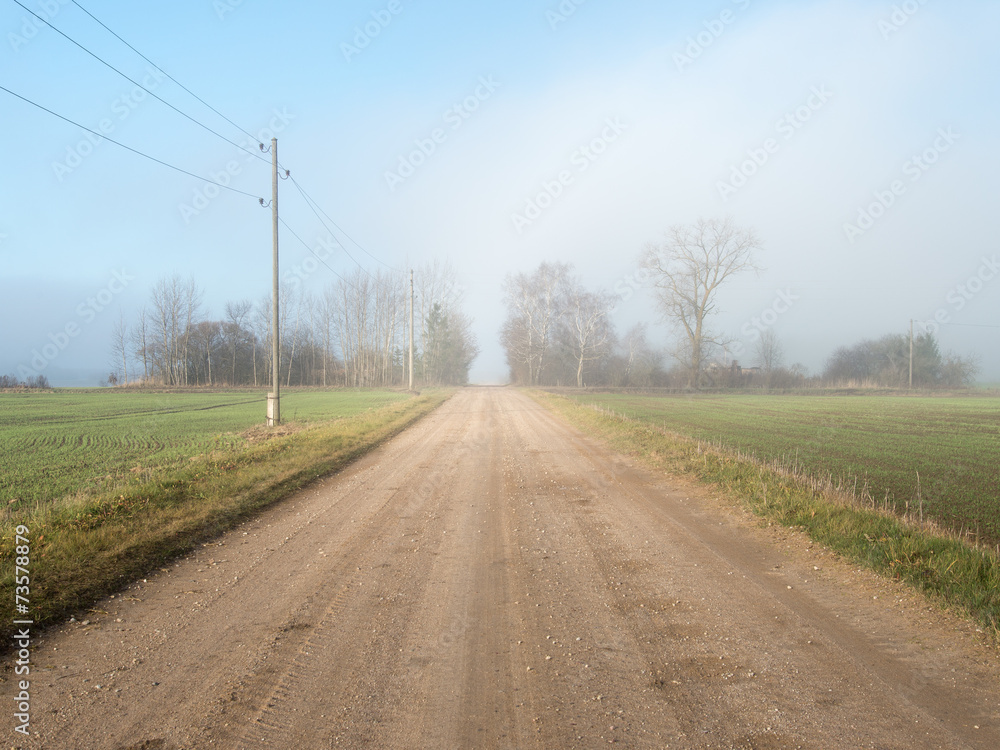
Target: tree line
{"type": "Point", "coordinates": [885, 362]}
{"type": "Point", "coordinates": [557, 332]}
{"type": "Point", "coordinates": [354, 333]}
{"type": "Point", "coordinates": [32, 381]}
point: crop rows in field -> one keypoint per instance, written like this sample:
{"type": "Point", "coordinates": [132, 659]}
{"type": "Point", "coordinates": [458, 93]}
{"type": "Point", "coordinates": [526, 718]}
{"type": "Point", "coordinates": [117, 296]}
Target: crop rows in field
{"type": "Point", "coordinates": [56, 444]}
{"type": "Point", "coordinates": [882, 442]}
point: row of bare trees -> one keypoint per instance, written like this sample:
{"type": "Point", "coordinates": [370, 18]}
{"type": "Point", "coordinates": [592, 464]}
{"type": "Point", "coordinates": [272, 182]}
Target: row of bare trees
{"type": "Point", "coordinates": [558, 332]}
{"type": "Point", "coordinates": [354, 333]}
{"type": "Point", "coordinates": [32, 381]}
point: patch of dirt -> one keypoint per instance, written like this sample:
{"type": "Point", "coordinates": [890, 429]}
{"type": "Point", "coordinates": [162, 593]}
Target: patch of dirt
{"type": "Point", "coordinates": [262, 433]}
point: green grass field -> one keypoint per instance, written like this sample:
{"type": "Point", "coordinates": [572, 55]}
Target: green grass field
{"type": "Point", "coordinates": [882, 441]}
{"type": "Point", "coordinates": [54, 444]}
{"type": "Point", "coordinates": [107, 485]}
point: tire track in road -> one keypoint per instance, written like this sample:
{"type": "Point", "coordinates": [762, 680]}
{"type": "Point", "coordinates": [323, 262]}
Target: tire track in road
{"type": "Point", "coordinates": [802, 644]}
{"type": "Point", "coordinates": [371, 561]}
{"type": "Point", "coordinates": [281, 567]}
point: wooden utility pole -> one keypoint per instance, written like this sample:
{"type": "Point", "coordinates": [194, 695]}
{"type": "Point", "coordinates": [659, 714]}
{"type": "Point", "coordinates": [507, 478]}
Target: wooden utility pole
{"type": "Point", "coordinates": [411, 329]}
{"type": "Point", "coordinates": [274, 397]}
{"type": "Point", "coordinates": [911, 352]}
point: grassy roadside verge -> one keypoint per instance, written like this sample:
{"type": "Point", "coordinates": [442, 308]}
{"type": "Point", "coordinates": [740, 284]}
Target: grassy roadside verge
{"type": "Point", "coordinates": [83, 548]}
{"type": "Point", "coordinates": [946, 568]}
{"type": "Point", "coordinates": [934, 454]}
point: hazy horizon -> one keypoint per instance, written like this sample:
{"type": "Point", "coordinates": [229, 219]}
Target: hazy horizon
{"type": "Point", "coordinates": [858, 139]}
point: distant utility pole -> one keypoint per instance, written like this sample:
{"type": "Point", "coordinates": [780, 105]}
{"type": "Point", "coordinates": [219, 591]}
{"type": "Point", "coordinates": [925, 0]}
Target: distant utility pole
{"type": "Point", "coordinates": [274, 397]}
{"type": "Point", "coordinates": [411, 329]}
{"type": "Point", "coordinates": [911, 352]}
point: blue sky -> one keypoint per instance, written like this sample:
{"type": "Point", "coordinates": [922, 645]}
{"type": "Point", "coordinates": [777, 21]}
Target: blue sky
{"type": "Point", "coordinates": [860, 140]}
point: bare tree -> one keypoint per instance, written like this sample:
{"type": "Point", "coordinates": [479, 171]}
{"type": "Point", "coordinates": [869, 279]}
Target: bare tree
{"type": "Point", "coordinates": [262, 324]}
{"type": "Point", "coordinates": [234, 330]}
{"type": "Point", "coordinates": [287, 299]}
{"type": "Point", "coordinates": [120, 345]}
{"type": "Point", "coordinates": [768, 351]}
{"type": "Point", "coordinates": [588, 326]}
{"type": "Point", "coordinates": [368, 313]}
{"type": "Point", "coordinates": [687, 270]}
{"type": "Point", "coordinates": [389, 319]}
{"type": "Point", "coordinates": [535, 305]}
{"type": "Point", "coordinates": [365, 314]}
{"type": "Point", "coordinates": [176, 308]}
{"type": "Point", "coordinates": [140, 341]}
{"type": "Point", "coordinates": [959, 372]}
{"type": "Point", "coordinates": [205, 337]}
{"type": "Point", "coordinates": [166, 327]}
{"type": "Point", "coordinates": [191, 298]}
{"type": "Point", "coordinates": [327, 306]}
{"type": "Point", "coordinates": [637, 364]}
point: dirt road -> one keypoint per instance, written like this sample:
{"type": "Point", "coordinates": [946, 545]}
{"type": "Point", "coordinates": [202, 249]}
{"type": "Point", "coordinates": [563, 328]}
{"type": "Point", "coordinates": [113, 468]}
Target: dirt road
{"type": "Point", "coordinates": [494, 579]}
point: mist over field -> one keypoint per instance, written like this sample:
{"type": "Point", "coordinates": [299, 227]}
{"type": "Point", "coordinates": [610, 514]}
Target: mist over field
{"type": "Point", "coordinates": [858, 140]}
{"type": "Point", "coordinates": [262, 262]}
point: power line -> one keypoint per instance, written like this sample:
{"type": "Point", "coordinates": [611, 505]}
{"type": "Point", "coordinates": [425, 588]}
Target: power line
{"type": "Point", "coordinates": [318, 256]}
{"type": "Point", "coordinates": [970, 325]}
{"type": "Point", "coordinates": [127, 148]}
{"type": "Point", "coordinates": [133, 81]}
{"type": "Point", "coordinates": [341, 244]}
{"type": "Point", "coordinates": [321, 259]}
{"type": "Point", "coordinates": [159, 68]}
{"type": "Point", "coordinates": [310, 201]}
